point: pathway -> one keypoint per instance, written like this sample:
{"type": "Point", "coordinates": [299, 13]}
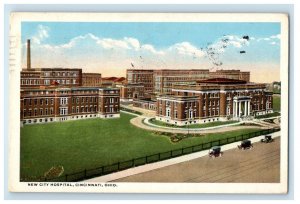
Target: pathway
{"type": "Point", "coordinates": [138, 122]}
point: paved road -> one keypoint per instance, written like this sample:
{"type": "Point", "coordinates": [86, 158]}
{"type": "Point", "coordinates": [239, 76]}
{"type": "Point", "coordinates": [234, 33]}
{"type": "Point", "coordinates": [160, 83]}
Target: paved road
{"type": "Point", "coordinates": [258, 165]}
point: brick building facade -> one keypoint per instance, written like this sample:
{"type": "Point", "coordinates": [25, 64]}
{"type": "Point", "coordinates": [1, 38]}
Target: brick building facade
{"type": "Point", "coordinates": [160, 81]}
{"type": "Point", "coordinates": [37, 77]}
{"type": "Point", "coordinates": [144, 76]}
{"type": "Point", "coordinates": [131, 91]}
{"type": "Point", "coordinates": [213, 100]}
{"type": "Point", "coordinates": [65, 103]}
{"type": "Point", "coordinates": [230, 74]}
{"type": "Point", "coordinates": [91, 79]}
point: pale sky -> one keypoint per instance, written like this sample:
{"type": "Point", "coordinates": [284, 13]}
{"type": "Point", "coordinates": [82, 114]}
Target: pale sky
{"type": "Point", "coordinates": [111, 48]}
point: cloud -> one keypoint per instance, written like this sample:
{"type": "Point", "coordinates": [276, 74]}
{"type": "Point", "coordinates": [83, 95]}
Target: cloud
{"type": "Point", "coordinates": [273, 43]}
{"type": "Point", "coordinates": [186, 48]}
{"type": "Point", "coordinates": [272, 37]}
{"type": "Point", "coordinates": [41, 34]}
{"type": "Point", "coordinates": [275, 36]}
{"type": "Point", "coordinates": [107, 55]}
{"type": "Point", "coordinates": [228, 41]}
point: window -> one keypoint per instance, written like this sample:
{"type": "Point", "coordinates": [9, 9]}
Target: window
{"type": "Point", "coordinates": [168, 112]}
{"type": "Point", "coordinates": [35, 112]}
{"type": "Point", "coordinates": [41, 111]}
{"type": "Point", "coordinates": [77, 109]}
{"type": "Point", "coordinates": [46, 111]}
{"type": "Point", "coordinates": [41, 101]}
{"type": "Point", "coordinates": [51, 111]}
{"type": "Point", "coordinates": [46, 101]}
{"type": "Point", "coordinates": [35, 101]}
{"type": "Point", "coordinates": [63, 111]}
{"type": "Point", "coordinates": [51, 101]}
{"type": "Point", "coordinates": [63, 101]}
{"type": "Point", "coordinates": [176, 114]}
{"type": "Point", "coordinates": [111, 109]}
{"type": "Point", "coordinates": [111, 100]}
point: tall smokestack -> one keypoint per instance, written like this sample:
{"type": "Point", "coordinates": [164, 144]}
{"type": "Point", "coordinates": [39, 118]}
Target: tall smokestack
{"type": "Point", "coordinates": [28, 55]}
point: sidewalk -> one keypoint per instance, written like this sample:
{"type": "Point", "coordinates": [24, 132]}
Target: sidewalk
{"type": "Point", "coordinates": [161, 164]}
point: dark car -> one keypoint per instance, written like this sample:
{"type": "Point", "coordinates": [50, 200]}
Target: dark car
{"type": "Point", "coordinates": [267, 139]}
{"type": "Point", "coordinates": [215, 152]}
{"type": "Point", "coordinates": [245, 144]}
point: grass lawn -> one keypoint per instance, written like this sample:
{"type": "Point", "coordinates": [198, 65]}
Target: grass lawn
{"type": "Point", "coordinates": [276, 102]}
{"type": "Point", "coordinates": [210, 124]}
{"type": "Point", "coordinates": [91, 143]}
{"type": "Point", "coordinates": [269, 115]}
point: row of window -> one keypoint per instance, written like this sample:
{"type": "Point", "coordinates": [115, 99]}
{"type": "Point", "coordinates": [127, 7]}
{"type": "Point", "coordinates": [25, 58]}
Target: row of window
{"type": "Point", "coordinates": [46, 81]}
{"type": "Point", "coordinates": [64, 111]}
{"type": "Point", "coordinates": [64, 100]}
{"type": "Point", "coordinates": [38, 101]}
{"type": "Point", "coordinates": [36, 112]}
{"type": "Point", "coordinates": [47, 74]}
{"type": "Point", "coordinates": [62, 81]}
{"type": "Point", "coordinates": [190, 113]}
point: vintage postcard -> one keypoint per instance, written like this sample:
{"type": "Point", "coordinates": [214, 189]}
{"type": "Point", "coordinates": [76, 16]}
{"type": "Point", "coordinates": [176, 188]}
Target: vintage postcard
{"type": "Point", "coordinates": [148, 102]}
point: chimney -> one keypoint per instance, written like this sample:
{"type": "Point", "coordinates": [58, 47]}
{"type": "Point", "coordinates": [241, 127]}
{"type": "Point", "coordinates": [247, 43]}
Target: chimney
{"type": "Point", "coordinates": [28, 55]}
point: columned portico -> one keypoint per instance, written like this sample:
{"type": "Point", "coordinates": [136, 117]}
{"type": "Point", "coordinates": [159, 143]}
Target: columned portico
{"type": "Point", "coordinates": [241, 107]}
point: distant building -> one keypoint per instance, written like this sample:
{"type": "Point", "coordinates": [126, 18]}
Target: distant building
{"type": "Point", "coordinates": [213, 100]}
{"type": "Point", "coordinates": [164, 79]}
{"type": "Point", "coordinates": [160, 81]}
{"type": "Point", "coordinates": [130, 91]}
{"type": "Point", "coordinates": [144, 76]}
{"type": "Point", "coordinates": [230, 74]}
{"type": "Point", "coordinates": [43, 77]}
{"type": "Point", "coordinates": [91, 79]}
{"type": "Point", "coordinates": [145, 103]}
{"type": "Point", "coordinates": [65, 103]}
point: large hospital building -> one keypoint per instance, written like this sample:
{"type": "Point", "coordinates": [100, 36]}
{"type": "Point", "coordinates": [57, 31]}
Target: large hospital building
{"type": "Point", "coordinates": [216, 99]}
{"type": "Point", "coordinates": [59, 94]}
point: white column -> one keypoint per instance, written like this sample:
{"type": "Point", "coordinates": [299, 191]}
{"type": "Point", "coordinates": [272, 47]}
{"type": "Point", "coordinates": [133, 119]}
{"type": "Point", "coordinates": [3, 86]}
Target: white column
{"type": "Point", "coordinates": [236, 109]}
{"type": "Point", "coordinates": [233, 109]}
{"type": "Point", "coordinates": [248, 107]}
{"type": "Point", "coordinates": [240, 108]}
{"type": "Point", "coordinates": [245, 108]}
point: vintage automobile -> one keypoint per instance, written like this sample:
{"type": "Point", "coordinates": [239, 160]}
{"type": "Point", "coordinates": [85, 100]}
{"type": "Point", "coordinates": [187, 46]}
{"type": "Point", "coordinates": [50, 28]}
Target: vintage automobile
{"type": "Point", "coordinates": [215, 152]}
{"type": "Point", "coordinates": [267, 139]}
{"type": "Point", "coordinates": [245, 144]}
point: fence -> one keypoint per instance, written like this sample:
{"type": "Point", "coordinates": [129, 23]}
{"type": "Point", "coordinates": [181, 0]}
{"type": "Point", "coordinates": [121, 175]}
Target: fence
{"type": "Point", "coordinates": [104, 170]}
